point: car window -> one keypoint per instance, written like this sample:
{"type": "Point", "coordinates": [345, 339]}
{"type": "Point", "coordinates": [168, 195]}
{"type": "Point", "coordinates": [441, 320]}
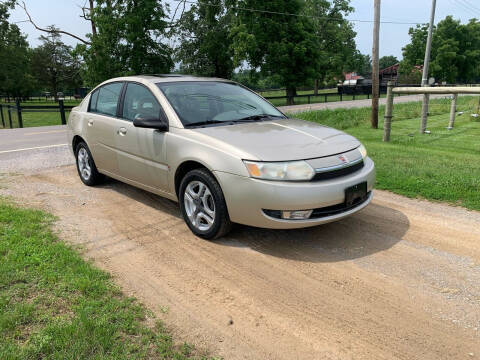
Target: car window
{"type": "Point", "coordinates": [108, 96]}
{"type": "Point", "coordinates": [215, 101]}
{"type": "Point", "coordinates": [93, 101]}
{"type": "Point", "coordinates": [140, 103]}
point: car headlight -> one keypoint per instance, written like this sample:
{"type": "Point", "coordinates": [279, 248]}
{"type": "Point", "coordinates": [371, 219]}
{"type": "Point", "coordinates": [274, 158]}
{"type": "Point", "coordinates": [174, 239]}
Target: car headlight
{"type": "Point", "coordinates": [363, 151]}
{"type": "Point", "coordinates": [286, 171]}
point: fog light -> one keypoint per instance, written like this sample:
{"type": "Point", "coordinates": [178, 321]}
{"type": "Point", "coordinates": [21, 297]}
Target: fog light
{"type": "Point", "coordinates": [296, 214]}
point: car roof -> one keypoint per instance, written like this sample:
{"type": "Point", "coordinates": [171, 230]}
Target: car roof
{"type": "Point", "coordinates": [159, 78]}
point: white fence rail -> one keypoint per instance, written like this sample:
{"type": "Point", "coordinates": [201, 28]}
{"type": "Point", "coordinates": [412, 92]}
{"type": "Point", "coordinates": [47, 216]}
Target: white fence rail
{"type": "Point", "coordinates": [448, 90]}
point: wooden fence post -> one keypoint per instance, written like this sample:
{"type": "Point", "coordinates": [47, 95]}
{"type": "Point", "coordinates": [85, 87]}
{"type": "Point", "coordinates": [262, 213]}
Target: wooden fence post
{"type": "Point", "coordinates": [387, 124]}
{"type": "Point", "coordinates": [9, 110]}
{"type": "Point", "coordinates": [423, 123]}
{"type": "Point", "coordinates": [19, 113]}
{"type": "Point", "coordinates": [1, 114]}
{"type": "Point", "coordinates": [453, 110]}
{"type": "Point", "coordinates": [62, 112]}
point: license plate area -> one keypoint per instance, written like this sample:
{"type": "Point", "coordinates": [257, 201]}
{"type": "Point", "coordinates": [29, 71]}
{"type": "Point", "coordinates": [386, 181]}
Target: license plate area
{"type": "Point", "coordinates": [355, 194]}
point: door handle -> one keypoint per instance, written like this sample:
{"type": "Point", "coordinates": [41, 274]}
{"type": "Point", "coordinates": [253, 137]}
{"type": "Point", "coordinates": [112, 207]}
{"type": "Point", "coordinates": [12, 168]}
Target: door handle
{"type": "Point", "coordinates": [90, 122]}
{"type": "Point", "coordinates": [122, 131]}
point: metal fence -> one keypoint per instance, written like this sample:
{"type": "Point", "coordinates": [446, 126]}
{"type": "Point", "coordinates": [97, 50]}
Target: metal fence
{"type": "Point", "coordinates": [319, 98]}
{"type": "Point", "coordinates": [8, 112]}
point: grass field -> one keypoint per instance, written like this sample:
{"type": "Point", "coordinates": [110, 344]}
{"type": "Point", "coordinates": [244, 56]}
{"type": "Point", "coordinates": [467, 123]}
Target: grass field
{"type": "Point", "coordinates": [443, 165]}
{"type": "Point", "coordinates": [55, 305]}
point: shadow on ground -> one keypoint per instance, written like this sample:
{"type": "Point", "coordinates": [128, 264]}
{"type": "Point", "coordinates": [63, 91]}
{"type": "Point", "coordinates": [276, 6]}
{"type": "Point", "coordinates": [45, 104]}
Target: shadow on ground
{"type": "Point", "coordinates": [374, 229]}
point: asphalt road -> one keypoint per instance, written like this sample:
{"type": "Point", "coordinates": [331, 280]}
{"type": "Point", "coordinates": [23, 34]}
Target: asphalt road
{"type": "Point", "coordinates": [352, 103]}
{"type": "Point", "coordinates": [33, 138]}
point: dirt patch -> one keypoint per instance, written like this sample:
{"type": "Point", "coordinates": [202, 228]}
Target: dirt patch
{"type": "Point", "coordinates": [399, 280]}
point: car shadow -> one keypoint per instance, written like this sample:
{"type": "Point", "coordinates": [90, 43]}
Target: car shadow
{"type": "Point", "coordinates": [147, 198]}
{"type": "Point", "coordinates": [372, 230]}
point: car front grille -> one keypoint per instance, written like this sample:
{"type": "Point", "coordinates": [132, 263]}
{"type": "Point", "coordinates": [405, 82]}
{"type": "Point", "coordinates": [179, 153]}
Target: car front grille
{"type": "Point", "coordinates": [337, 209]}
{"type": "Point", "coordinates": [326, 175]}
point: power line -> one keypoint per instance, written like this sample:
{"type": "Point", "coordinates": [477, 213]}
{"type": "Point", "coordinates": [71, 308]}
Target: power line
{"type": "Point", "coordinates": [463, 5]}
{"type": "Point", "coordinates": [470, 6]}
{"type": "Point", "coordinates": [300, 15]}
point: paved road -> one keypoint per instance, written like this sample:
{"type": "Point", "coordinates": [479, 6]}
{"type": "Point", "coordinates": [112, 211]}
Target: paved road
{"type": "Point", "coordinates": [352, 104]}
{"type": "Point", "coordinates": [13, 140]}
{"type": "Point", "coordinates": [31, 149]}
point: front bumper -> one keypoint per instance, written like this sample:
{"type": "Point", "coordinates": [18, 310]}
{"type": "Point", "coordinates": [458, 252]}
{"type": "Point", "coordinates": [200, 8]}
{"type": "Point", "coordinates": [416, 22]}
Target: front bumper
{"type": "Point", "coordinates": [246, 197]}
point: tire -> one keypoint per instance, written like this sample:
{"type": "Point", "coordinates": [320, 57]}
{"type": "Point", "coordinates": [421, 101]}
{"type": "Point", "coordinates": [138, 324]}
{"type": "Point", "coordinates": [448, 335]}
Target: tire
{"type": "Point", "coordinates": [86, 166]}
{"type": "Point", "coordinates": [203, 205]}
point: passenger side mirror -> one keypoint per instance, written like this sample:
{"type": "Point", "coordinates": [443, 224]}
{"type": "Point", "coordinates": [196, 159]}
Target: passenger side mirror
{"type": "Point", "coordinates": [151, 123]}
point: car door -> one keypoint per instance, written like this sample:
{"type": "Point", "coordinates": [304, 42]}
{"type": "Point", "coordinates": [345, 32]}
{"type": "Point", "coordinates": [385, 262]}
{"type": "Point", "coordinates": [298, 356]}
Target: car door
{"type": "Point", "coordinates": [101, 125]}
{"type": "Point", "coordinates": [141, 153]}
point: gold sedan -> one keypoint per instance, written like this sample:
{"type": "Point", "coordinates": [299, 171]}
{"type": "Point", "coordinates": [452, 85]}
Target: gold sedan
{"type": "Point", "coordinates": [222, 151]}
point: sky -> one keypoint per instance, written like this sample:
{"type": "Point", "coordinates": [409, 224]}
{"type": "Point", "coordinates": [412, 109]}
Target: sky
{"type": "Point", "coordinates": [65, 14]}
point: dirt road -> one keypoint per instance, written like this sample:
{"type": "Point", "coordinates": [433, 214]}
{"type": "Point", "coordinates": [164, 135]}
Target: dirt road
{"type": "Point", "coordinates": [400, 280]}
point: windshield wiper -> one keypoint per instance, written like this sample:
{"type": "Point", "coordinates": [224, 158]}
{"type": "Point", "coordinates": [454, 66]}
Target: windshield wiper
{"type": "Point", "coordinates": [257, 117]}
{"type": "Point", "coordinates": [207, 122]}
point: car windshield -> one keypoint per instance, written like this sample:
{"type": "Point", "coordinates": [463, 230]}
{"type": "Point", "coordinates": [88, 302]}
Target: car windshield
{"type": "Point", "coordinates": [215, 102]}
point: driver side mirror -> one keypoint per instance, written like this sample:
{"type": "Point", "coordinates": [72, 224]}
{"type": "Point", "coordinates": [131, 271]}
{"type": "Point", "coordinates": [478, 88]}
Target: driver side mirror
{"type": "Point", "coordinates": [151, 123]}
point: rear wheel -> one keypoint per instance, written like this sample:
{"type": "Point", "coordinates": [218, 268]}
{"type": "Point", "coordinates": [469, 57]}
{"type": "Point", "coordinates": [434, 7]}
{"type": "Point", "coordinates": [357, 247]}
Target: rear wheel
{"type": "Point", "coordinates": [86, 166]}
{"type": "Point", "coordinates": [203, 205]}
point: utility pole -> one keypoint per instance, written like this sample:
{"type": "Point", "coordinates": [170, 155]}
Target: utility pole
{"type": "Point", "coordinates": [426, 63]}
{"type": "Point", "coordinates": [375, 70]}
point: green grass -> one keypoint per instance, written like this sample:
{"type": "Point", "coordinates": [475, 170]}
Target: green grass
{"type": "Point", "coordinates": [442, 166]}
{"type": "Point", "coordinates": [54, 305]}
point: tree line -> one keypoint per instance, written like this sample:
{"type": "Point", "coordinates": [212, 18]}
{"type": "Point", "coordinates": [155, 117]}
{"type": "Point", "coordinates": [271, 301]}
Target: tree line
{"type": "Point", "coordinates": [455, 56]}
{"type": "Point", "coordinates": [287, 43]}
{"type": "Point", "coordinates": [261, 43]}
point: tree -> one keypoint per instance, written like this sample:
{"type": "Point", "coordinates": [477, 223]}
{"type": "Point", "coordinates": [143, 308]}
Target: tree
{"type": "Point", "coordinates": [414, 52]}
{"type": "Point", "coordinates": [334, 36]}
{"type": "Point", "coordinates": [360, 63]}
{"type": "Point", "coordinates": [128, 39]}
{"type": "Point", "coordinates": [447, 50]}
{"type": "Point", "coordinates": [387, 61]}
{"type": "Point", "coordinates": [205, 46]}
{"type": "Point", "coordinates": [15, 79]}
{"type": "Point", "coordinates": [275, 43]}
{"type": "Point", "coordinates": [53, 64]}
{"type": "Point", "coordinates": [455, 55]}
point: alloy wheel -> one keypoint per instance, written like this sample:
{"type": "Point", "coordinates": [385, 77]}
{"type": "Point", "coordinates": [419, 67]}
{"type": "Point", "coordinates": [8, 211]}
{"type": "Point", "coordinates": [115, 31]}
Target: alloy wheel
{"type": "Point", "coordinates": [84, 164]}
{"type": "Point", "coordinates": [199, 205]}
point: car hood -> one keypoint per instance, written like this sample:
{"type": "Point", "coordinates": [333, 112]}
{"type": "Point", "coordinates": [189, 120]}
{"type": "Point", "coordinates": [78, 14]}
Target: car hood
{"type": "Point", "coordinates": [282, 140]}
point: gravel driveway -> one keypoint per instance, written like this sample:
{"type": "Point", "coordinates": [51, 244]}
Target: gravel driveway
{"type": "Point", "coordinates": [399, 280]}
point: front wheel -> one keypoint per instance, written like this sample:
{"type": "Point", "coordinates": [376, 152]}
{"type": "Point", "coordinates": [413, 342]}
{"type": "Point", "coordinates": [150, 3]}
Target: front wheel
{"type": "Point", "coordinates": [86, 166]}
{"type": "Point", "coordinates": [203, 205]}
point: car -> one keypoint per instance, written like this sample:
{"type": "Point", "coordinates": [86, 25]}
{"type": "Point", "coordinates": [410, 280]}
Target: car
{"type": "Point", "coordinates": [223, 152]}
